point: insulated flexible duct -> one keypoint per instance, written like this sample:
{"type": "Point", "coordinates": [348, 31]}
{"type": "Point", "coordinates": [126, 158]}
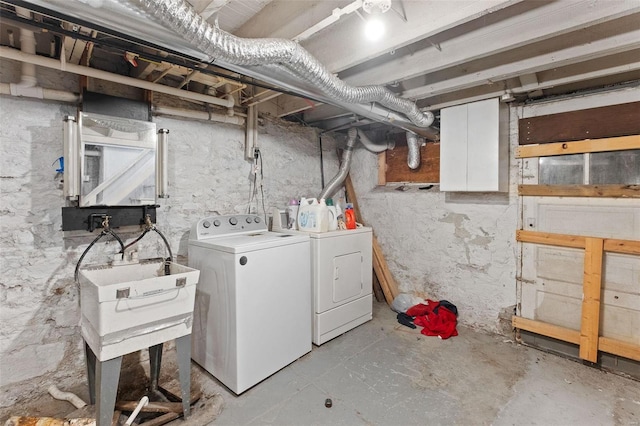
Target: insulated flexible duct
{"type": "Point", "coordinates": [338, 179]}
{"type": "Point", "coordinates": [413, 156]}
{"type": "Point", "coordinates": [372, 146]}
{"type": "Point", "coordinates": [182, 19]}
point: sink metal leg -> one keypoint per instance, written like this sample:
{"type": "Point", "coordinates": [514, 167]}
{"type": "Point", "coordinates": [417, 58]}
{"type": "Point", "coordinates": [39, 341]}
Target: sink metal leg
{"type": "Point", "coordinates": [183, 349]}
{"type": "Point", "coordinates": [107, 378]}
{"type": "Point", "coordinates": [155, 361]}
{"type": "Point", "coordinates": [91, 372]}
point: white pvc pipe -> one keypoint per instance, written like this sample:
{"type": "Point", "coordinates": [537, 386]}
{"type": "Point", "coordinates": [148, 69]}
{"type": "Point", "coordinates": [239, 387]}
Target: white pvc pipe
{"type": "Point", "coordinates": [37, 93]}
{"type": "Point", "coordinates": [198, 115]}
{"type": "Point", "coordinates": [8, 53]}
{"type": "Point", "coordinates": [66, 396]}
{"type": "Point", "coordinates": [144, 401]}
{"type": "Point", "coordinates": [162, 164]}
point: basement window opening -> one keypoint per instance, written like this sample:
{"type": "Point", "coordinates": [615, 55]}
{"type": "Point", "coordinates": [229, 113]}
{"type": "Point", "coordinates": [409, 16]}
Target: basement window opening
{"type": "Point", "coordinates": [598, 168]}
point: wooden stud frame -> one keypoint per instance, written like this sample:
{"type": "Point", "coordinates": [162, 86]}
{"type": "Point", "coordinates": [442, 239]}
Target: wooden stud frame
{"type": "Point", "coordinates": [579, 147]}
{"type": "Point", "coordinates": [588, 337]}
{"type": "Point", "coordinates": [608, 191]}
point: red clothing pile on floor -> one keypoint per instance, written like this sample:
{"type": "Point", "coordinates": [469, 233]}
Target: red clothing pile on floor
{"type": "Point", "coordinates": [437, 318]}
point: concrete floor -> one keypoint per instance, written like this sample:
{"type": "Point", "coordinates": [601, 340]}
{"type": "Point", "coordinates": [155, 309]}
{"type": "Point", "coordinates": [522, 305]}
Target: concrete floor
{"type": "Point", "coordinates": [383, 373]}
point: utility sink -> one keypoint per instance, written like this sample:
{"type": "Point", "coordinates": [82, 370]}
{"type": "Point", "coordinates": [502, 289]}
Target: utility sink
{"type": "Point", "coordinates": [132, 306]}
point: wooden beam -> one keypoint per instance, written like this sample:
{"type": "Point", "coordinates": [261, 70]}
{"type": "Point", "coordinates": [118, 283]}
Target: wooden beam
{"type": "Point", "coordinates": [540, 59]}
{"type": "Point", "coordinates": [603, 191]}
{"type": "Point", "coordinates": [622, 246]}
{"type": "Point", "coordinates": [380, 267]}
{"type": "Point", "coordinates": [492, 35]}
{"type": "Point", "coordinates": [576, 241]}
{"type": "Point", "coordinates": [591, 123]}
{"type": "Point", "coordinates": [579, 147]}
{"type": "Point", "coordinates": [546, 329]}
{"type": "Point", "coordinates": [388, 284]}
{"type": "Point", "coordinates": [161, 420]}
{"type": "Point", "coordinates": [591, 291]}
{"type": "Point", "coordinates": [151, 407]}
{"type": "Point", "coordinates": [572, 241]}
{"type": "Point", "coordinates": [620, 348]}
{"type": "Point", "coordinates": [605, 344]}
{"type": "Point", "coordinates": [428, 171]}
{"type": "Point", "coordinates": [379, 272]}
{"type": "Point", "coordinates": [377, 289]}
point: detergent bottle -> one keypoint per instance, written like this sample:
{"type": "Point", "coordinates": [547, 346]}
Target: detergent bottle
{"type": "Point", "coordinates": [323, 215]}
{"type": "Point", "coordinates": [312, 215]}
{"type": "Point", "coordinates": [292, 214]}
{"type": "Point", "coordinates": [333, 215]}
{"type": "Point", "coordinates": [349, 216]}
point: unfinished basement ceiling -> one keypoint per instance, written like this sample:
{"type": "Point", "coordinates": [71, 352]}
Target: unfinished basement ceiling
{"type": "Point", "coordinates": [434, 52]}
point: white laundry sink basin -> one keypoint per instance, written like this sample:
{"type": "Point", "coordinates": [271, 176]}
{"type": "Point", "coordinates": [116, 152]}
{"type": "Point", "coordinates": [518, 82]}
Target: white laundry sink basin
{"type": "Point", "coordinates": [129, 307]}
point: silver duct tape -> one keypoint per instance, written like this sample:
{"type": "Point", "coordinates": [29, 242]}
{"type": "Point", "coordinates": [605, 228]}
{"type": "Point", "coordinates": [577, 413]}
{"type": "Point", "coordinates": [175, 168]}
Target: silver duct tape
{"type": "Point", "coordinates": [181, 18]}
{"type": "Point", "coordinates": [413, 156]}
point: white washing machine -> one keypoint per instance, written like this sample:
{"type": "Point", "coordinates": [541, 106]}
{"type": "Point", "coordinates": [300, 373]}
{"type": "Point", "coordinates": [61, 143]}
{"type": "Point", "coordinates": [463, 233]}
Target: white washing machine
{"type": "Point", "coordinates": [251, 315]}
{"type": "Point", "coordinates": [341, 274]}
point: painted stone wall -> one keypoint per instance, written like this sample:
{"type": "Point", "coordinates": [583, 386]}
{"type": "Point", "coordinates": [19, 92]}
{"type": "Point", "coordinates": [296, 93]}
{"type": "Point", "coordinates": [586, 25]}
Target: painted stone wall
{"type": "Point", "coordinates": [40, 341]}
{"type": "Point", "coordinates": [455, 246]}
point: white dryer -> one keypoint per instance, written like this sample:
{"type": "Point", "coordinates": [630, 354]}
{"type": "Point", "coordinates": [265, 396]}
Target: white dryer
{"type": "Point", "coordinates": [251, 315]}
{"type": "Point", "coordinates": [341, 277]}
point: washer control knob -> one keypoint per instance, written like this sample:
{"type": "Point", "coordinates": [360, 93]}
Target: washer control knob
{"type": "Point", "coordinates": [216, 223]}
{"type": "Point", "coordinates": [257, 219]}
{"type": "Point", "coordinates": [206, 224]}
{"type": "Point", "coordinates": [248, 220]}
{"type": "Point", "coordinates": [233, 221]}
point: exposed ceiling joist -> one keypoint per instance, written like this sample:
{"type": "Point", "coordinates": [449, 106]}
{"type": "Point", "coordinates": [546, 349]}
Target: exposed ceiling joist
{"type": "Point", "coordinates": [342, 48]}
{"type": "Point", "coordinates": [533, 22]}
{"type": "Point", "coordinates": [537, 61]}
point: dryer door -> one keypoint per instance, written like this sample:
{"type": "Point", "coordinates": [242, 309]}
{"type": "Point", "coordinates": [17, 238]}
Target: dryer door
{"type": "Point", "coordinates": [347, 276]}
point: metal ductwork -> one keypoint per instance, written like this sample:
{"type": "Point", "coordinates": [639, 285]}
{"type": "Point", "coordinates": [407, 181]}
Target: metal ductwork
{"type": "Point", "coordinates": [373, 146]}
{"type": "Point", "coordinates": [413, 156]}
{"type": "Point", "coordinates": [183, 20]}
{"type": "Point", "coordinates": [276, 61]}
{"type": "Point", "coordinates": [333, 186]}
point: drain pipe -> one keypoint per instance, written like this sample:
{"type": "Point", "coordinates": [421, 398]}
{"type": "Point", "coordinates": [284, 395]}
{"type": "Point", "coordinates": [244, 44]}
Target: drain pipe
{"type": "Point", "coordinates": [66, 396]}
{"type": "Point", "coordinates": [336, 182]}
{"type": "Point", "coordinates": [198, 115]}
{"type": "Point", "coordinates": [9, 53]}
{"type": "Point", "coordinates": [413, 157]}
{"type": "Point", "coordinates": [28, 85]}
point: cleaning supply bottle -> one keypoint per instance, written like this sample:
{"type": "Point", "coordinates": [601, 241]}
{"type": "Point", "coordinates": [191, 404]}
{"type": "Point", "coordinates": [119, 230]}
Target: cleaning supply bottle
{"type": "Point", "coordinates": [323, 215]}
{"type": "Point", "coordinates": [292, 214]}
{"type": "Point", "coordinates": [350, 216]}
{"type": "Point", "coordinates": [333, 215]}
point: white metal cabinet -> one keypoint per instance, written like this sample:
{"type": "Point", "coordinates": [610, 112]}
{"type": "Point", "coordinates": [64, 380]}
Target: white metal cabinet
{"type": "Point", "coordinates": [474, 149]}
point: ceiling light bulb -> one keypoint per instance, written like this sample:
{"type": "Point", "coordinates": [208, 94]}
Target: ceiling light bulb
{"type": "Point", "coordinates": [374, 28]}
